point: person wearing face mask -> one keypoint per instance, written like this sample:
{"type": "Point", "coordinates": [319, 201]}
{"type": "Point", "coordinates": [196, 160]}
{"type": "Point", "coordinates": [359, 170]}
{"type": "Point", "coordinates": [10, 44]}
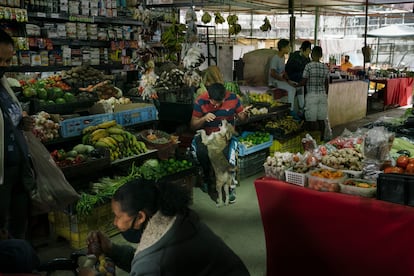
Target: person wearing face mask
{"type": "Point", "coordinates": [16, 175]}
{"type": "Point", "coordinates": [171, 239]}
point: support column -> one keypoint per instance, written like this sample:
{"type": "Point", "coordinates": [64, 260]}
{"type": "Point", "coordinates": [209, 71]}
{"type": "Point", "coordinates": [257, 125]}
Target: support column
{"type": "Point", "coordinates": [315, 30]}
{"type": "Point", "coordinates": [292, 28]}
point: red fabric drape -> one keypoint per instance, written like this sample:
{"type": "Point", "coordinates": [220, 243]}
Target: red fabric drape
{"type": "Point", "coordinates": [319, 233]}
{"type": "Point", "coordinates": [398, 91]}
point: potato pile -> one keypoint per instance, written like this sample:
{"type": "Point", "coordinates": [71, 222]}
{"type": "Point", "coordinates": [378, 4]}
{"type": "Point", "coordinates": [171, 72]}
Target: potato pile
{"type": "Point", "coordinates": [82, 76]}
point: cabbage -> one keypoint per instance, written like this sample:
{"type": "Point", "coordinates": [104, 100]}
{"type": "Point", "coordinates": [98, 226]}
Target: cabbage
{"type": "Point", "coordinates": [13, 82]}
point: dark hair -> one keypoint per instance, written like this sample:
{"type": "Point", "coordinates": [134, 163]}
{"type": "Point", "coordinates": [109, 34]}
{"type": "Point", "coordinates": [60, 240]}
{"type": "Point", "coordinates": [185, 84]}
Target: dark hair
{"type": "Point", "coordinates": [139, 194]}
{"type": "Point", "coordinates": [305, 45]}
{"type": "Point", "coordinates": [282, 44]}
{"type": "Point", "coordinates": [317, 52]}
{"type": "Point", "coordinates": [5, 38]}
{"type": "Point", "coordinates": [216, 91]}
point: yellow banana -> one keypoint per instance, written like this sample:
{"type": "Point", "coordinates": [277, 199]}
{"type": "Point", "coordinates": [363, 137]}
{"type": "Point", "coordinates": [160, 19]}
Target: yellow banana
{"type": "Point", "coordinates": [107, 124]}
{"type": "Point", "coordinates": [111, 140]}
{"type": "Point", "coordinates": [97, 134]}
{"type": "Point", "coordinates": [89, 129]}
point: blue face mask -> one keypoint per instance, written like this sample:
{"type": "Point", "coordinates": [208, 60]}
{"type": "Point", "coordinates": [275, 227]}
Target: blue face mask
{"type": "Point", "coordinates": [133, 235]}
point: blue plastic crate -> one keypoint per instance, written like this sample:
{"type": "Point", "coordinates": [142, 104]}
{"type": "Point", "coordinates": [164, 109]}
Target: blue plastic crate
{"type": "Point", "coordinates": [136, 115]}
{"type": "Point", "coordinates": [74, 126]}
{"type": "Point", "coordinates": [243, 150]}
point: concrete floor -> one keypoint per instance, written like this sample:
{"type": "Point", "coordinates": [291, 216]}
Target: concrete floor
{"type": "Point", "coordinates": [239, 224]}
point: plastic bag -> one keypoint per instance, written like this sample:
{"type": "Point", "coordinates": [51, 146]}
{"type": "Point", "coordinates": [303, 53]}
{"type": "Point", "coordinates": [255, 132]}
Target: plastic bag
{"type": "Point", "coordinates": [53, 191]}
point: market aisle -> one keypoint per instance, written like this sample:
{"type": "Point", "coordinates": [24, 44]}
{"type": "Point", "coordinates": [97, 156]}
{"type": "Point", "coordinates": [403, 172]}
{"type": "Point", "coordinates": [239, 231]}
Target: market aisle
{"type": "Point", "coordinates": [239, 224]}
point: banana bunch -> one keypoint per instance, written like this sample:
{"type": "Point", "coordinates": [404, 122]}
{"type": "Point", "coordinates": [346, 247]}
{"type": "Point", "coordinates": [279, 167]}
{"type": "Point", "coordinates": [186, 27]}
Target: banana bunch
{"type": "Point", "coordinates": [110, 135]}
{"type": "Point", "coordinates": [234, 27]}
{"type": "Point", "coordinates": [266, 25]}
{"type": "Point", "coordinates": [218, 18]}
{"type": "Point", "coordinates": [233, 87]}
{"type": "Point", "coordinates": [287, 125]}
{"type": "Point", "coordinates": [206, 18]}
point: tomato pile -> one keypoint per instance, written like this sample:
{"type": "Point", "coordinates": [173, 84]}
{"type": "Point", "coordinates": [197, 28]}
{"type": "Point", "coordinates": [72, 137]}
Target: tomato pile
{"type": "Point", "coordinates": [404, 164]}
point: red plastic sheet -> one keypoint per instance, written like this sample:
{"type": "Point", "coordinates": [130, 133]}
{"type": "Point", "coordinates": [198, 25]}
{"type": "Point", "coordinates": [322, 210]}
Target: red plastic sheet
{"type": "Point", "coordinates": [319, 233]}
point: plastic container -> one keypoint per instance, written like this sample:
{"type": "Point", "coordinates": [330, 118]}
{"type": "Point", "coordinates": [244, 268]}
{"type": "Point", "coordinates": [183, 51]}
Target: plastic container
{"type": "Point", "coordinates": [295, 178]}
{"type": "Point", "coordinates": [136, 115]}
{"type": "Point", "coordinates": [396, 188]}
{"type": "Point", "coordinates": [274, 173]}
{"type": "Point", "coordinates": [243, 150]}
{"type": "Point", "coordinates": [325, 184]}
{"type": "Point", "coordinates": [352, 186]}
{"type": "Point", "coordinates": [74, 126]}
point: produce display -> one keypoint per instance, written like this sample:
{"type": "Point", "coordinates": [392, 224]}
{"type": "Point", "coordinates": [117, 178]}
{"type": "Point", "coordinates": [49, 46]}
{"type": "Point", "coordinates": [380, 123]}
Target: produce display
{"type": "Point", "coordinates": [360, 187]}
{"type": "Point", "coordinates": [84, 75]}
{"type": "Point", "coordinates": [344, 159]}
{"type": "Point", "coordinates": [102, 190]}
{"type": "Point", "coordinates": [51, 90]}
{"type": "Point", "coordinates": [119, 142]}
{"type": "Point", "coordinates": [283, 126]}
{"type": "Point", "coordinates": [78, 154]}
{"type": "Point", "coordinates": [44, 127]}
{"type": "Point", "coordinates": [325, 180]}
{"type": "Point", "coordinates": [254, 138]}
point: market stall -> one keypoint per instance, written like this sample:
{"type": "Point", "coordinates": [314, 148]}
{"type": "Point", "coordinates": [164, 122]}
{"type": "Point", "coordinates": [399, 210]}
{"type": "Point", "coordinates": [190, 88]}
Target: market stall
{"type": "Point", "coordinates": [333, 234]}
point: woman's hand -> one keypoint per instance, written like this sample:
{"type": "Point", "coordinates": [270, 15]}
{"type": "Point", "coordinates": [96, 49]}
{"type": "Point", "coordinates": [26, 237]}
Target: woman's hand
{"type": "Point", "coordinates": [98, 243]}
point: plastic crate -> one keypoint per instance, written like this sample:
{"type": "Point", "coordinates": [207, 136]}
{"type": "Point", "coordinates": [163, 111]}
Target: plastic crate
{"type": "Point", "coordinates": [243, 150]}
{"type": "Point", "coordinates": [251, 164]}
{"type": "Point", "coordinates": [396, 188]}
{"type": "Point", "coordinates": [293, 145]}
{"type": "Point", "coordinates": [136, 115]}
{"type": "Point", "coordinates": [74, 126]}
{"type": "Point", "coordinates": [295, 178]}
{"type": "Point", "coordinates": [75, 228]}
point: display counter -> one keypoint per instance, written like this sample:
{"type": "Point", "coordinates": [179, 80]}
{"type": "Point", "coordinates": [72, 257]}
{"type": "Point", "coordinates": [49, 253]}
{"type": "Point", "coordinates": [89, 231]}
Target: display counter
{"type": "Point", "coordinates": [321, 233]}
{"type": "Point", "coordinates": [397, 91]}
{"type": "Point", "coordinates": [347, 101]}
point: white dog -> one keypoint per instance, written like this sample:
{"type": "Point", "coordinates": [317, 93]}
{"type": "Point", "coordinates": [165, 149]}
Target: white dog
{"type": "Point", "coordinates": [223, 170]}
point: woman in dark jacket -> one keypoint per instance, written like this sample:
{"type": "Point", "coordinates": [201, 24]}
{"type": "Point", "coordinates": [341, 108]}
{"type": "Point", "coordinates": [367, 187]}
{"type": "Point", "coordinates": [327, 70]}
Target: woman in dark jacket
{"type": "Point", "coordinates": [171, 238]}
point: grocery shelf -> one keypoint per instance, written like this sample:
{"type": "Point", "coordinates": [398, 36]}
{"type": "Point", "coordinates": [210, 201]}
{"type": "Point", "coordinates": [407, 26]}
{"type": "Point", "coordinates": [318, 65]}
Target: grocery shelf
{"type": "Point", "coordinates": [56, 68]}
{"type": "Point", "coordinates": [84, 19]}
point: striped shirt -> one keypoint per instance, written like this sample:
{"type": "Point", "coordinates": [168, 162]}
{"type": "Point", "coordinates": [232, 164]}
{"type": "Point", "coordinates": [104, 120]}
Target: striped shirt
{"type": "Point", "coordinates": [316, 73]}
{"type": "Point", "coordinates": [230, 107]}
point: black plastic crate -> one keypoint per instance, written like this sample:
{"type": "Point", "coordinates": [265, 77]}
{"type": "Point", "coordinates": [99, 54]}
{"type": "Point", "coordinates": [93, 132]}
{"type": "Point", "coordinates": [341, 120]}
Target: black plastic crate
{"type": "Point", "coordinates": [396, 188]}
